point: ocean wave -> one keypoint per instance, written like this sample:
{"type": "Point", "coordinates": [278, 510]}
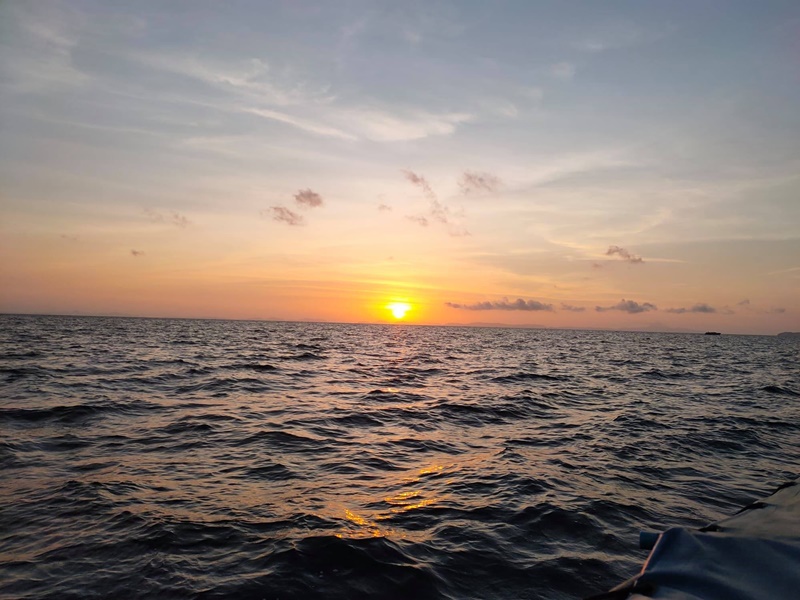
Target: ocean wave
{"type": "Point", "coordinates": [209, 459]}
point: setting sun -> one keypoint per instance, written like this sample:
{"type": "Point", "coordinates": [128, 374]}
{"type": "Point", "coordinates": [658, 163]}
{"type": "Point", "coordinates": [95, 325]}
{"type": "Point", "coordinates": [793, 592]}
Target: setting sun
{"type": "Point", "coordinates": [398, 309]}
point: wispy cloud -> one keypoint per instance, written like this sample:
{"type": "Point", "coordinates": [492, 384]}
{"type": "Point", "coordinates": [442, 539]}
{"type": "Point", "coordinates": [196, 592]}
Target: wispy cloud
{"type": "Point", "coordinates": [572, 308]}
{"type": "Point", "coordinates": [419, 220]}
{"type": "Point", "coordinates": [69, 238]}
{"type": "Point", "coordinates": [306, 125]}
{"type": "Point", "coordinates": [472, 182]}
{"type": "Point", "coordinates": [308, 199]}
{"type": "Point", "coordinates": [504, 304]}
{"type": "Point", "coordinates": [563, 70]}
{"type": "Point", "coordinates": [628, 306]}
{"type": "Point", "coordinates": [745, 302]}
{"type": "Point", "coordinates": [398, 125]}
{"type": "Point", "coordinates": [777, 310]}
{"type": "Point", "coordinates": [613, 35]}
{"type": "Point", "coordinates": [137, 253]}
{"type": "Point", "coordinates": [437, 211]}
{"type": "Point", "coordinates": [623, 253]}
{"type": "Point", "coordinates": [45, 36]}
{"type": "Point", "coordinates": [697, 308]}
{"type": "Point", "coordinates": [420, 182]}
{"type": "Point", "coordinates": [384, 208]}
{"type": "Point", "coordinates": [171, 217]}
{"type": "Point", "coordinates": [283, 215]}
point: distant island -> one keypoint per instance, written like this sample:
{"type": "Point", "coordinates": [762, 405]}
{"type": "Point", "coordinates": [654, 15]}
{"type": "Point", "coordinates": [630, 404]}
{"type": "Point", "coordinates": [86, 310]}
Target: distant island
{"type": "Point", "coordinates": [789, 334]}
{"type": "Point", "coordinates": [713, 333]}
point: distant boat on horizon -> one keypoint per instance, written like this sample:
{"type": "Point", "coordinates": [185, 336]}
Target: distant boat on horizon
{"type": "Point", "coordinates": [713, 333]}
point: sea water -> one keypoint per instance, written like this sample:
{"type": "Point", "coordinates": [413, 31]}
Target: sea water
{"type": "Point", "coordinates": [158, 458]}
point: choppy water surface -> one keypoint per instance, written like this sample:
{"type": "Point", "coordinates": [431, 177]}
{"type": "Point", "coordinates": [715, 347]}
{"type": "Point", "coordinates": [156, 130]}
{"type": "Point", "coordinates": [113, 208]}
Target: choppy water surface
{"type": "Point", "coordinates": [210, 459]}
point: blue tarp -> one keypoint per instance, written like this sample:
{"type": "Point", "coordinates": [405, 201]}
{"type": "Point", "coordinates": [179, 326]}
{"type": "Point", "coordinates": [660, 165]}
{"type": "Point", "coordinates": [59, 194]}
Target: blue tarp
{"type": "Point", "coordinates": [754, 555]}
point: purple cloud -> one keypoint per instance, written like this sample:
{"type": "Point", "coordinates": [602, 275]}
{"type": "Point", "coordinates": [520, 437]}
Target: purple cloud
{"type": "Point", "coordinates": [308, 199]}
{"type": "Point", "coordinates": [697, 308]}
{"type": "Point", "coordinates": [478, 182]}
{"type": "Point", "coordinates": [623, 253]}
{"type": "Point", "coordinates": [505, 304]}
{"type": "Point", "coordinates": [628, 306]}
{"type": "Point", "coordinates": [284, 215]}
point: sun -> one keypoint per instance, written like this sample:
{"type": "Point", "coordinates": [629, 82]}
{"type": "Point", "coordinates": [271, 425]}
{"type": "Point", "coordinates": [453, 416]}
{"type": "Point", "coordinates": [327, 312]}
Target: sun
{"type": "Point", "coordinates": [398, 309]}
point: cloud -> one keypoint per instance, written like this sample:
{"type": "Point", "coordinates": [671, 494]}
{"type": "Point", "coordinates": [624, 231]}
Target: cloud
{"type": "Point", "coordinates": [69, 238]}
{"type": "Point", "coordinates": [745, 302]}
{"type": "Point", "coordinates": [137, 253]}
{"type": "Point", "coordinates": [301, 123]}
{"type": "Point", "coordinates": [437, 211]}
{"type": "Point", "coordinates": [505, 304]}
{"type": "Point", "coordinates": [419, 220]}
{"type": "Point", "coordinates": [172, 217]}
{"type": "Point", "coordinates": [384, 208]}
{"type": "Point", "coordinates": [776, 311]}
{"type": "Point", "coordinates": [283, 215]}
{"type": "Point", "coordinates": [478, 182]}
{"type": "Point", "coordinates": [563, 70]}
{"type": "Point", "coordinates": [533, 93]}
{"type": "Point", "coordinates": [697, 308]}
{"type": "Point", "coordinates": [571, 308]}
{"type": "Point", "coordinates": [420, 182]}
{"type": "Point", "coordinates": [597, 266]}
{"type": "Point", "coordinates": [623, 253]}
{"type": "Point", "coordinates": [400, 126]}
{"type": "Point", "coordinates": [308, 199]}
{"type": "Point", "coordinates": [628, 306]}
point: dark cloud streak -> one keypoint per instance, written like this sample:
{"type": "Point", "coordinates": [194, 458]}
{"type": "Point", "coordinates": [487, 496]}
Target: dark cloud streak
{"type": "Point", "coordinates": [697, 308]}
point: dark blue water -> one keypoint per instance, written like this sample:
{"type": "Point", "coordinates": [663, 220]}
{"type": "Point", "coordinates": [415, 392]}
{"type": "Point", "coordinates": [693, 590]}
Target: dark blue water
{"type": "Point", "coordinates": [215, 459]}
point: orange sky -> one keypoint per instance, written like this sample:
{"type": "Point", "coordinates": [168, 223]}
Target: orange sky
{"type": "Point", "coordinates": [318, 164]}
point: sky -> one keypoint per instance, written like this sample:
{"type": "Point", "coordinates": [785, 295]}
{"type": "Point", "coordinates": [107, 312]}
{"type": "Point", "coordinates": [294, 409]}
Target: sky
{"type": "Point", "coordinates": [604, 165]}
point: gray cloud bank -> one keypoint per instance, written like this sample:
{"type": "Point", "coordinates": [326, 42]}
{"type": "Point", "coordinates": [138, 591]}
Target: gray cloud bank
{"type": "Point", "coordinates": [572, 308]}
{"type": "Point", "coordinates": [505, 304]}
{"type": "Point", "coordinates": [628, 306]}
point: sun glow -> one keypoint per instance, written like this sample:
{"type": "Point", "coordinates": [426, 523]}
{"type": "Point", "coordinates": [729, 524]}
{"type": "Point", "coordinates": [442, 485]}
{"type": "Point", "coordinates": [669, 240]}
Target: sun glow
{"type": "Point", "coordinates": [398, 309]}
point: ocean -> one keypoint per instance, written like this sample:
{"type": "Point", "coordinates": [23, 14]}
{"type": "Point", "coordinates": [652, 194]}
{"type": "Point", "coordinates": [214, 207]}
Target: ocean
{"type": "Point", "coordinates": [165, 458]}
